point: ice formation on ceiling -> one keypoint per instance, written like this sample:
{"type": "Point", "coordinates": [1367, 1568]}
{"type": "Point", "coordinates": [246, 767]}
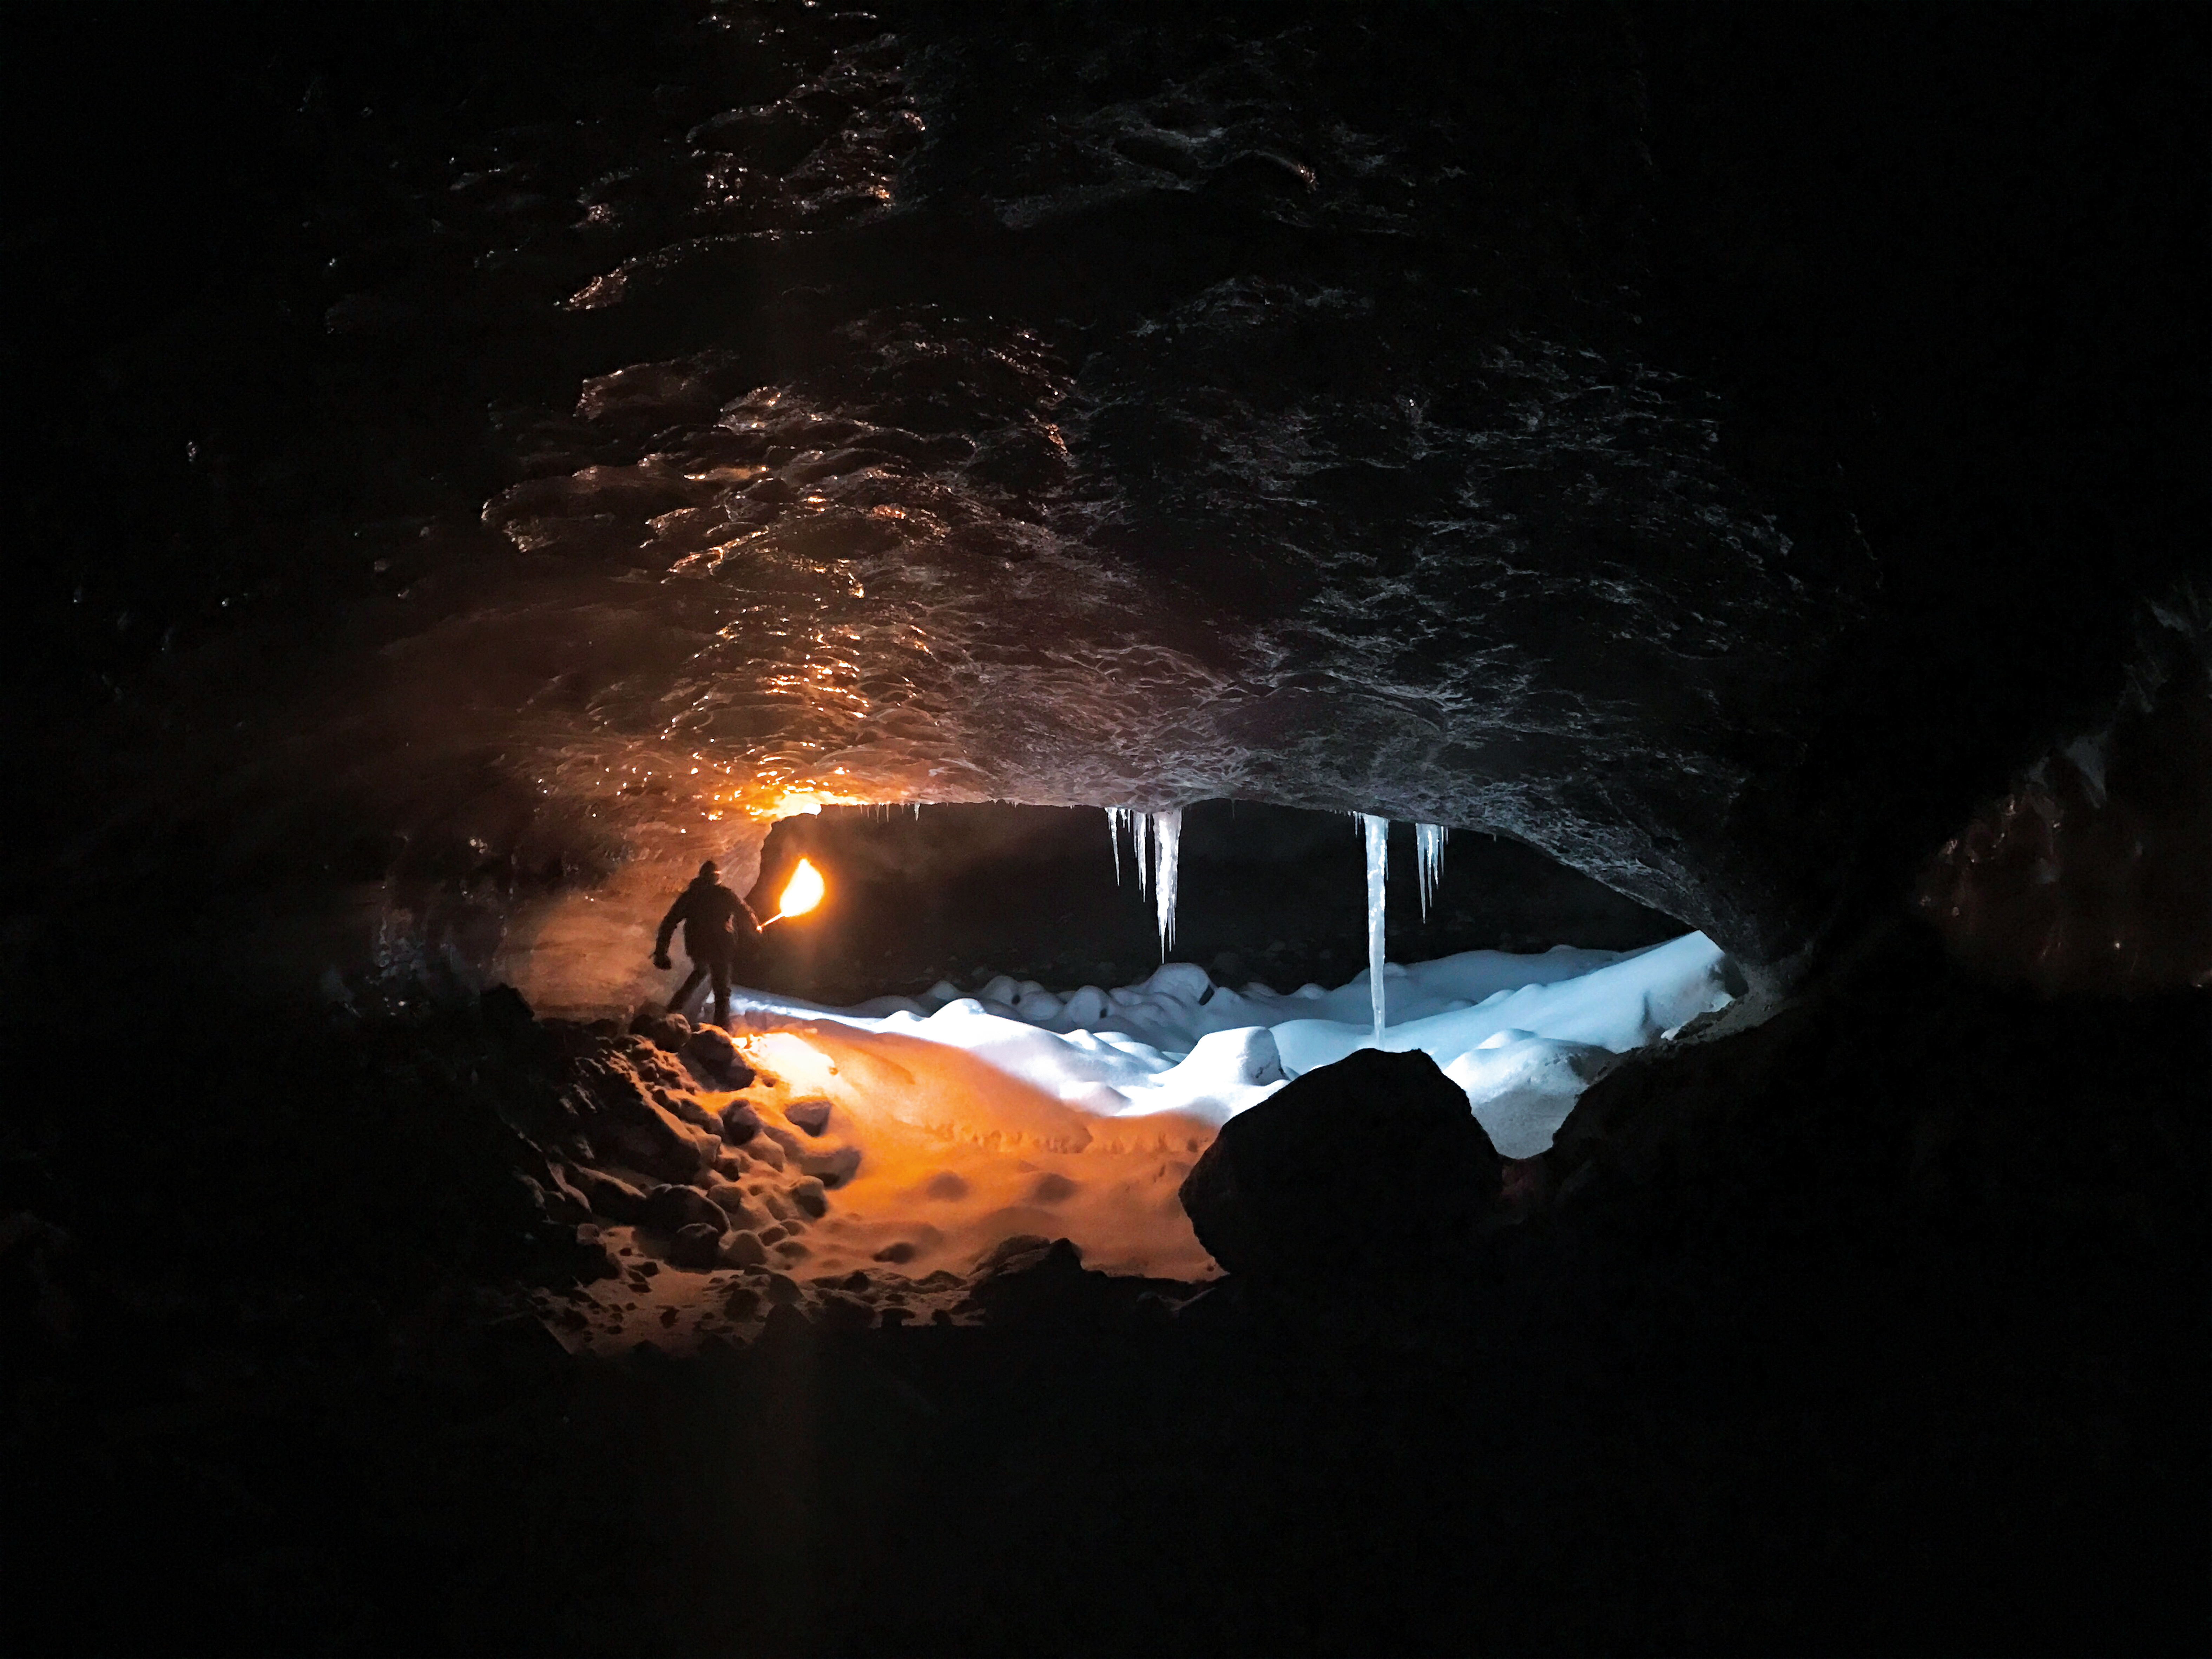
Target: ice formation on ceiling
{"type": "Point", "coordinates": [1376, 833]}
{"type": "Point", "coordinates": [1156, 848]}
{"type": "Point", "coordinates": [1428, 846]}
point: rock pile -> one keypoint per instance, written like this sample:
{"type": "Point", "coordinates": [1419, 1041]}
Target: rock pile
{"type": "Point", "coordinates": [665, 1139]}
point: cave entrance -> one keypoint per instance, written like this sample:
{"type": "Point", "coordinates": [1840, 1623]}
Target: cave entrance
{"type": "Point", "coordinates": [974, 1037]}
{"type": "Point", "coordinates": [966, 893]}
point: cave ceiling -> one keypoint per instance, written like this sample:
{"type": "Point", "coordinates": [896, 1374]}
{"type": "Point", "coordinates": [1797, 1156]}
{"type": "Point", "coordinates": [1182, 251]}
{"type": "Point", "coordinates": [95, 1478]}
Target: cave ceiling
{"type": "Point", "coordinates": [1545, 422]}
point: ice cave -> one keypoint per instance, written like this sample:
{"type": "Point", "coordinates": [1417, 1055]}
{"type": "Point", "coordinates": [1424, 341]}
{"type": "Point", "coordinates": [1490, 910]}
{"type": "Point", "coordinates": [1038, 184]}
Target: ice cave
{"type": "Point", "coordinates": [1055, 825]}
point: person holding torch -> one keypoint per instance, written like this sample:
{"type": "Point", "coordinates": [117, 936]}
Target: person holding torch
{"type": "Point", "coordinates": [717, 927]}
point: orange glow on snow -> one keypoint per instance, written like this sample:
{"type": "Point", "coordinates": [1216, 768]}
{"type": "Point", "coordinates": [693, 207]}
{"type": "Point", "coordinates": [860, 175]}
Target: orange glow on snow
{"type": "Point", "coordinates": [957, 1155]}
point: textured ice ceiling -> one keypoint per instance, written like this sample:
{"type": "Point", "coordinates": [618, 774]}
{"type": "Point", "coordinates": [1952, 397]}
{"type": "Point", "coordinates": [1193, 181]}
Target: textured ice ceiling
{"type": "Point", "coordinates": [1040, 404]}
{"type": "Point", "coordinates": [1124, 420]}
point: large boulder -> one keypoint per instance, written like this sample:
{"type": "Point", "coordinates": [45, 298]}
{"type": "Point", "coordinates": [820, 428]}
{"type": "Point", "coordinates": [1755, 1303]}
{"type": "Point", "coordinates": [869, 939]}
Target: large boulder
{"type": "Point", "coordinates": [1373, 1163]}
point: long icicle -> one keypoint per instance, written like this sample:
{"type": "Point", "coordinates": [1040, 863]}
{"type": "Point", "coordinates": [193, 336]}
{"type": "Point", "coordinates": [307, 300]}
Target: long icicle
{"type": "Point", "coordinates": [1429, 844]}
{"type": "Point", "coordinates": [1113, 835]}
{"type": "Point", "coordinates": [1167, 848]}
{"type": "Point", "coordinates": [1377, 833]}
{"type": "Point", "coordinates": [1140, 836]}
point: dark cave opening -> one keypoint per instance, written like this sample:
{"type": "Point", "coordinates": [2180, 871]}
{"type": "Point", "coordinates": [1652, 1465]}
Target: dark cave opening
{"type": "Point", "coordinates": [963, 892]}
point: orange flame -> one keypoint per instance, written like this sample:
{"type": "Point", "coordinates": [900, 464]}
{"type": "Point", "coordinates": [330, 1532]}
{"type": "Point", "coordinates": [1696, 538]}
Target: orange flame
{"type": "Point", "coordinates": [802, 892]}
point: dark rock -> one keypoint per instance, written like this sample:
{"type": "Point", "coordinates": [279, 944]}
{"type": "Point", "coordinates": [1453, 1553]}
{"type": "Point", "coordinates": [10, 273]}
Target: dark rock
{"type": "Point", "coordinates": [808, 1194]}
{"type": "Point", "coordinates": [784, 1323]}
{"type": "Point", "coordinates": [673, 1209]}
{"type": "Point", "coordinates": [610, 1195]}
{"type": "Point", "coordinates": [687, 1108]}
{"type": "Point", "coordinates": [565, 1200]}
{"type": "Point", "coordinates": [784, 1290]}
{"type": "Point", "coordinates": [841, 1312]}
{"type": "Point", "coordinates": [832, 1166]}
{"type": "Point", "coordinates": [732, 1202]}
{"type": "Point", "coordinates": [740, 1248]}
{"type": "Point", "coordinates": [660, 1028]}
{"type": "Point", "coordinates": [714, 1058]}
{"type": "Point", "coordinates": [811, 1115]}
{"type": "Point", "coordinates": [508, 1017]}
{"type": "Point", "coordinates": [744, 1302]}
{"type": "Point", "coordinates": [636, 1129]}
{"type": "Point", "coordinates": [1030, 1279]}
{"type": "Point", "coordinates": [783, 1136]}
{"type": "Point", "coordinates": [696, 1246]}
{"type": "Point", "coordinates": [1383, 1141]}
{"type": "Point", "coordinates": [1021, 1247]}
{"type": "Point", "coordinates": [901, 1251]}
{"type": "Point", "coordinates": [740, 1124]}
{"type": "Point", "coordinates": [594, 1261]}
{"type": "Point", "coordinates": [555, 1203]}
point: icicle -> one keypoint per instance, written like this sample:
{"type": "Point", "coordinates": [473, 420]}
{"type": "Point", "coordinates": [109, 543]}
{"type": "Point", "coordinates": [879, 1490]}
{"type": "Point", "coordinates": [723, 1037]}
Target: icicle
{"type": "Point", "coordinates": [1167, 856]}
{"type": "Point", "coordinates": [1429, 844]}
{"type": "Point", "coordinates": [1376, 832]}
{"type": "Point", "coordinates": [1113, 835]}
{"type": "Point", "coordinates": [1140, 833]}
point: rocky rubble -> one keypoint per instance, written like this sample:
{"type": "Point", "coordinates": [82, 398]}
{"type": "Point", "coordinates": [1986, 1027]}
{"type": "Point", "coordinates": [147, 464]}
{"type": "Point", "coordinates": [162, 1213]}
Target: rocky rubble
{"type": "Point", "coordinates": [1871, 1323]}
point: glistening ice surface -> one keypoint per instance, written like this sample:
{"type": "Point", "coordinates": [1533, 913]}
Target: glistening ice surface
{"type": "Point", "coordinates": [1049, 411]}
{"type": "Point", "coordinates": [1022, 1109]}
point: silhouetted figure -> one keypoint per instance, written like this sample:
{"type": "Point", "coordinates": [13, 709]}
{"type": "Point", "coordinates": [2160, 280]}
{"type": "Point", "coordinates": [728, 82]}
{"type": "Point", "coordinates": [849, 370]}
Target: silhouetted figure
{"type": "Point", "coordinates": [717, 926]}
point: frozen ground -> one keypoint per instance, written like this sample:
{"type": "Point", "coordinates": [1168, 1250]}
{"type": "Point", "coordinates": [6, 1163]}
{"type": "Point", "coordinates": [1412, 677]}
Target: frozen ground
{"type": "Point", "coordinates": [959, 1120]}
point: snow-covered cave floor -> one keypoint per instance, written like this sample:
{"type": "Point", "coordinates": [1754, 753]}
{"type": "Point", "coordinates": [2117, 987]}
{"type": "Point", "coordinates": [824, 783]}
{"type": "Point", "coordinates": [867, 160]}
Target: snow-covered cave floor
{"type": "Point", "coordinates": [974, 1118]}
{"type": "Point", "coordinates": [1521, 1034]}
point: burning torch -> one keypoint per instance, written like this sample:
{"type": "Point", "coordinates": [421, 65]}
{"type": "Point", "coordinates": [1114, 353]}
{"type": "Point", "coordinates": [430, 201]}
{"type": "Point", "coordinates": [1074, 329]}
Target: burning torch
{"type": "Point", "coordinates": [800, 894]}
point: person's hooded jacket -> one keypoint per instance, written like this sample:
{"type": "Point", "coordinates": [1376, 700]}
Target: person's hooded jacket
{"type": "Point", "coordinates": [716, 921]}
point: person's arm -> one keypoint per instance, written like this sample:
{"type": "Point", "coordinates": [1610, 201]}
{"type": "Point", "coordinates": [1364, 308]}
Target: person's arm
{"type": "Point", "coordinates": [675, 914]}
{"type": "Point", "coordinates": [748, 910]}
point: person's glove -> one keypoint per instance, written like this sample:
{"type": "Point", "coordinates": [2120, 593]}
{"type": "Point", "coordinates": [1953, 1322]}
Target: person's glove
{"type": "Point", "coordinates": [660, 959]}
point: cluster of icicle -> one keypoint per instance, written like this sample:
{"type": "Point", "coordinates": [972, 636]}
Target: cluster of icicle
{"type": "Point", "coordinates": [1155, 846]}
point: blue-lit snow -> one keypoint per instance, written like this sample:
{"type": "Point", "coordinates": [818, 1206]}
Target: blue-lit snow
{"type": "Point", "coordinates": [1523, 1034]}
